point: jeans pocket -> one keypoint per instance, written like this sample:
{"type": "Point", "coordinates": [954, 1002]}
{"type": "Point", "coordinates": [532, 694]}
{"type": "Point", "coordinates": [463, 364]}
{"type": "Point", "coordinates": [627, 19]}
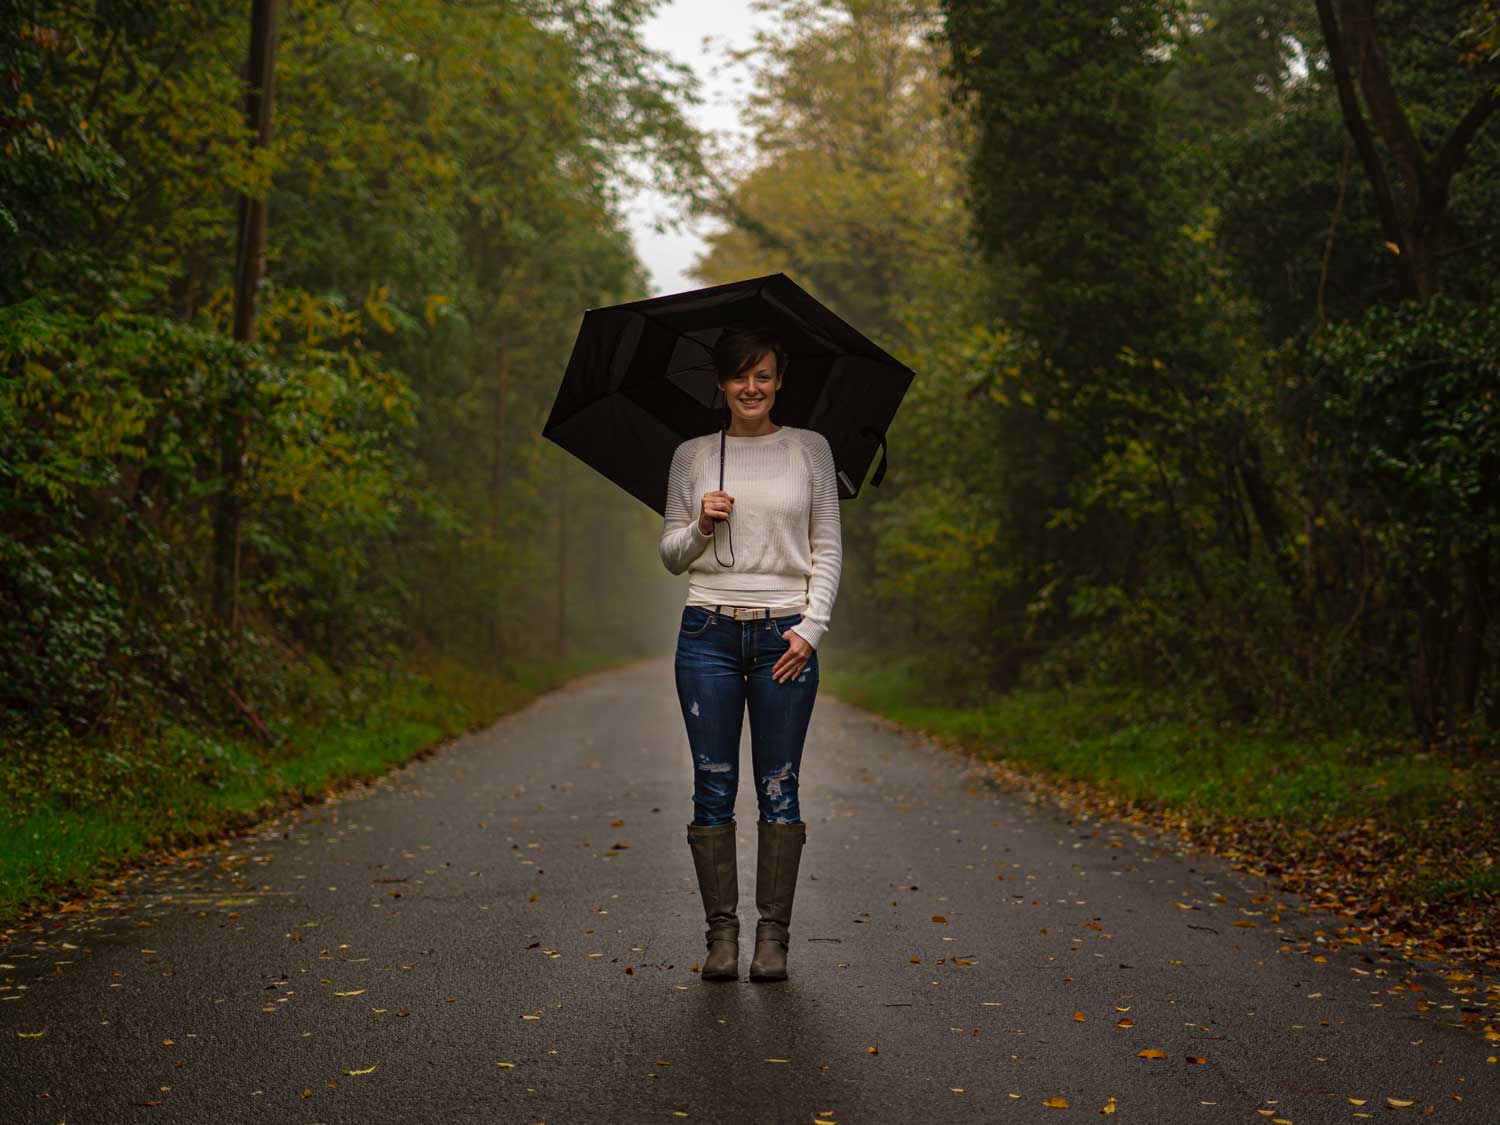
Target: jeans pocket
{"type": "Point", "coordinates": [691, 625]}
{"type": "Point", "coordinates": [780, 625]}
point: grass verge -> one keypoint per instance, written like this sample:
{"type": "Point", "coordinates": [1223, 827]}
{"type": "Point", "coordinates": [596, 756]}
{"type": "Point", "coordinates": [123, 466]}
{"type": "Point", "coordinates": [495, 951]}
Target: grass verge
{"type": "Point", "coordinates": [1403, 837]}
{"type": "Point", "coordinates": [77, 813]}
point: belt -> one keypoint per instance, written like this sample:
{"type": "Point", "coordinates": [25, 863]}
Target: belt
{"type": "Point", "coordinates": [752, 613]}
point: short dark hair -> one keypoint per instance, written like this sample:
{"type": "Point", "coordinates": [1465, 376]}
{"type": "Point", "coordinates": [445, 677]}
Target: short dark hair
{"type": "Point", "coordinates": [739, 347]}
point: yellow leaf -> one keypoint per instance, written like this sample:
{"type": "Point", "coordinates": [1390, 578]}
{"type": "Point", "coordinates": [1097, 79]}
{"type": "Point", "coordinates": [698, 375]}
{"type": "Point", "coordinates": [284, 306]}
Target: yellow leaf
{"type": "Point", "coordinates": [366, 1070]}
{"type": "Point", "coordinates": [1151, 1053]}
{"type": "Point", "coordinates": [1358, 1101]}
{"type": "Point", "coordinates": [1079, 1016]}
{"type": "Point", "coordinates": [1125, 1021]}
{"type": "Point", "coordinates": [1056, 1101]}
{"type": "Point", "coordinates": [1399, 1103]}
{"type": "Point", "coordinates": [1108, 1107]}
{"type": "Point", "coordinates": [356, 992]}
{"type": "Point", "coordinates": [778, 1060]}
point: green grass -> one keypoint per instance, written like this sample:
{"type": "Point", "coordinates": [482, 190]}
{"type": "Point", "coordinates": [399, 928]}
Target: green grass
{"type": "Point", "coordinates": [75, 813]}
{"type": "Point", "coordinates": [1157, 750]}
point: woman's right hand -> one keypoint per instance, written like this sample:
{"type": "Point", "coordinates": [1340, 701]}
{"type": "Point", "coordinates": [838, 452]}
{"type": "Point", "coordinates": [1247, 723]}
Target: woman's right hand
{"type": "Point", "coordinates": [716, 506]}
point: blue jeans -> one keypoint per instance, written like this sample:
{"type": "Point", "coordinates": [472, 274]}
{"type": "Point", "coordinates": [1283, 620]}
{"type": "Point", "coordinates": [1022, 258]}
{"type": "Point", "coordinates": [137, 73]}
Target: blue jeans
{"type": "Point", "coordinates": [723, 664]}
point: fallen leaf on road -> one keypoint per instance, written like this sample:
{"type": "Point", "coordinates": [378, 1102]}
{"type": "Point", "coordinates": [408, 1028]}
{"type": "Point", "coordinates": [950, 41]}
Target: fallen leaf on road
{"type": "Point", "coordinates": [1079, 1016]}
{"type": "Point", "coordinates": [1151, 1053]}
{"type": "Point", "coordinates": [356, 992]}
{"type": "Point", "coordinates": [939, 918]}
{"type": "Point", "coordinates": [1195, 1059]}
{"type": "Point", "coordinates": [366, 1070]}
{"type": "Point", "coordinates": [1108, 1107]}
{"type": "Point", "coordinates": [1057, 1101]}
{"type": "Point", "coordinates": [1124, 1021]}
{"type": "Point", "coordinates": [1399, 1103]}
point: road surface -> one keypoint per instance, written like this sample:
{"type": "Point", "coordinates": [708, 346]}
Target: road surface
{"type": "Point", "coordinates": [506, 931]}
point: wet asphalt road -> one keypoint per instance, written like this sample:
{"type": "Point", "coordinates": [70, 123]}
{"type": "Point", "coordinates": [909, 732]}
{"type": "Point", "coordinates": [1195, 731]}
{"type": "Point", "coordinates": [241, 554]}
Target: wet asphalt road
{"type": "Point", "coordinates": [526, 897]}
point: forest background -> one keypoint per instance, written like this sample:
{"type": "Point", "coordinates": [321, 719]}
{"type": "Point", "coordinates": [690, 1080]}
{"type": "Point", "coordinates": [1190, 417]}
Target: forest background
{"type": "Point", "coordinates": [1195, 499]}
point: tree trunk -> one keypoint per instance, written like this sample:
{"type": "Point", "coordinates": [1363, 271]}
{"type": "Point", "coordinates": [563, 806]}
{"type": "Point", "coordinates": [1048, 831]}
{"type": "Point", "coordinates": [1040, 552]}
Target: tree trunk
{"type": "Point", "coordinates": [497, 488]}
{"type": "Point", "coordinates": [248, 268]}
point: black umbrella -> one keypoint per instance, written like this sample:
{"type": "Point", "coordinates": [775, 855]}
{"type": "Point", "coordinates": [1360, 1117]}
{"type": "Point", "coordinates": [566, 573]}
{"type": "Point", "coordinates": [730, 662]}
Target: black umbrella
{"type": "Point", "coordinates": [641, 381]}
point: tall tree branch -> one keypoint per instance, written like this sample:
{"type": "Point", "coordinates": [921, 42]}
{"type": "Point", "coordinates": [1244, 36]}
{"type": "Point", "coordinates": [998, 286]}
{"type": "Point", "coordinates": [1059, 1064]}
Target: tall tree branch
{"type": "Point", "coordinates": [1450, 157]}
{"type": "Point", "coordinates": [1385, 201]}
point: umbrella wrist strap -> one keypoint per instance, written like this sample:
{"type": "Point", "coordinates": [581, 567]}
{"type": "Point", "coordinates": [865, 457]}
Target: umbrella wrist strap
{"type": "Point", "coordinates": [725, 521]}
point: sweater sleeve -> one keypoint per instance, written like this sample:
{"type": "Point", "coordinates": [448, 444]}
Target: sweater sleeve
{"type": "Point", "coordinates": [826, 539]}
{"type": "Point", "coordinates": [681, 540]}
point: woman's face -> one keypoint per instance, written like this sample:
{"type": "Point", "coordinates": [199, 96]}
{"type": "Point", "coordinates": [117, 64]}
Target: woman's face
{"type": "Point", "coordinates": [752, 392]}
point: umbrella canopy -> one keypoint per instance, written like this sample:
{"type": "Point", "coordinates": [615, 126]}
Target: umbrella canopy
{"type": "Point", "coordinates": [641, 381]}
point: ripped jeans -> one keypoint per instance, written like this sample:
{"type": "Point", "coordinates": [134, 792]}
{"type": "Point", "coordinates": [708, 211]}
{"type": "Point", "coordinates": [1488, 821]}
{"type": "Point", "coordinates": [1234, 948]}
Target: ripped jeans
{"type": "Point", "coordinates": [723, 664]}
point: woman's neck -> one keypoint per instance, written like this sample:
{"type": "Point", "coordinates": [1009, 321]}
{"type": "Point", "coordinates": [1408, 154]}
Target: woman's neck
{"type": "Point", "coordinates": [766, 430]}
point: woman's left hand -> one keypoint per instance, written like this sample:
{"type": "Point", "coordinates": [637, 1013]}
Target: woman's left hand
{"type": "Point", "coordinates": [793, 660]}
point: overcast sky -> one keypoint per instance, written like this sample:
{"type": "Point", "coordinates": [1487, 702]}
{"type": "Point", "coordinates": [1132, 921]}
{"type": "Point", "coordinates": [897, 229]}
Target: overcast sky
{"type": "Point", "coordinates": [680, 28]}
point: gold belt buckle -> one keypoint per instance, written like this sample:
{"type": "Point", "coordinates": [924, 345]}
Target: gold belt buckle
{"type": "Point", "coordinates": [744, 613]}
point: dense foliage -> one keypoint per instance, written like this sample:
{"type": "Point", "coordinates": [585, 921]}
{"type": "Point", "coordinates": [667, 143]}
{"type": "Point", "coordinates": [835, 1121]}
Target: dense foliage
{"type": "Point", "coordinates": [1181, 421]}
{"type": "Point", "coordinates": [444, 201]}
{"type": "Point", "coordinates": [1203, 312]}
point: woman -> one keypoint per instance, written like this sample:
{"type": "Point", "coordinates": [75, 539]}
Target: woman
{"type": "Point", "coordinates": [757, 606]}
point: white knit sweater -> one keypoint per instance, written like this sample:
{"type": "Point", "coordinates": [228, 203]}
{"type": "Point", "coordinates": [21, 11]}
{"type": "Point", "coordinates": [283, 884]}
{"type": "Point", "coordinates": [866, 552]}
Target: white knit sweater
{"type": "Point", "coordinates": [787, 544]}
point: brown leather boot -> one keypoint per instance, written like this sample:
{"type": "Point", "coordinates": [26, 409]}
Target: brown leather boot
{"type": "Point", "coordinates": [778, 852]}
{"type": "Point", "coordinates": [718, 870]}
